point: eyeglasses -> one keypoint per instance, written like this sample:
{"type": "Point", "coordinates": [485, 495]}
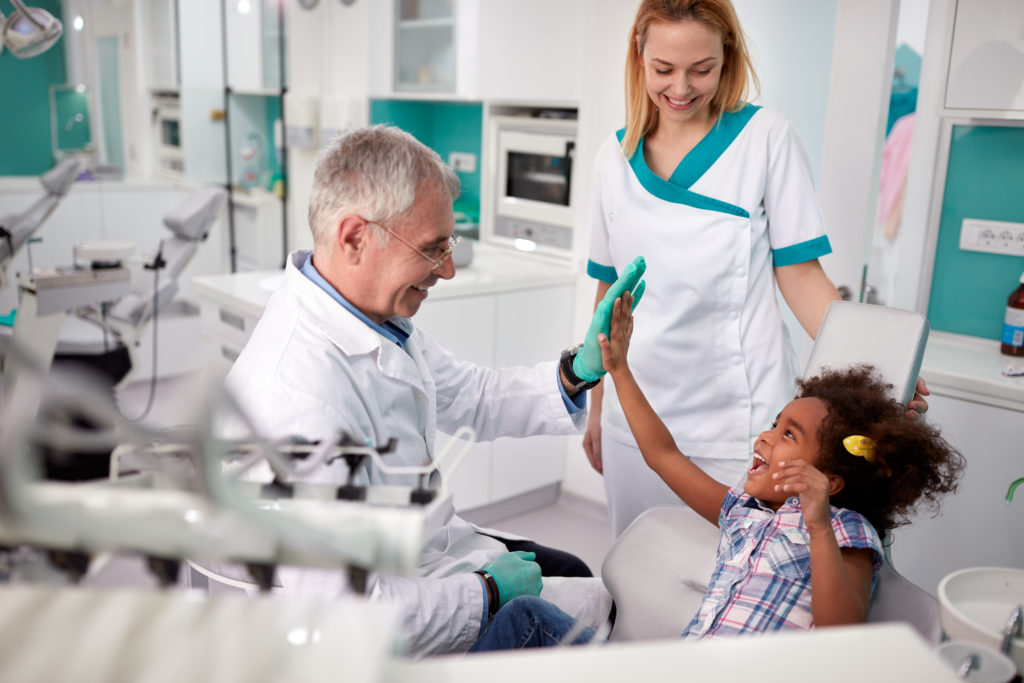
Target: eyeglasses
{"type": "Point", "coordinates": [441, 254]}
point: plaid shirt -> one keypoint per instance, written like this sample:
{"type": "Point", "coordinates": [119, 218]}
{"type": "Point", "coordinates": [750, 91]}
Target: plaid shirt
{"type": "Point", "coordinates": [762, 581]}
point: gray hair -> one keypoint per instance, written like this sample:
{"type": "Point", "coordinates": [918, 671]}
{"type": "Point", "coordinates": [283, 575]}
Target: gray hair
{"type": "Point", "coordinates": [374, 172]}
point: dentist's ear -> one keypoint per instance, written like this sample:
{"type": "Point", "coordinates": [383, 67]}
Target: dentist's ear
{"type": "Point", "coordinates": [836, 484]}
{"type": "Point", "coordinates": [352, 235]}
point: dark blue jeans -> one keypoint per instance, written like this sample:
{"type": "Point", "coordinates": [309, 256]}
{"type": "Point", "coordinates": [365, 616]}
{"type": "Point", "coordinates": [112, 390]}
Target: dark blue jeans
{"type": "Point", "coordinates": [527, 621]}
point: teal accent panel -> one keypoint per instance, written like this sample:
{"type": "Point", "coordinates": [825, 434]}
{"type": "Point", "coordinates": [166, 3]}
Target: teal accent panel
{"type": "Point", "coordinates": [799, 253]}
{"type": "Point", "coordinates": [25, 112]}
{"type": "Point", "coordinates": [602, 273]}
{"type": "Point", "coordinates": [983, 180]}
{"type": "Point", "coordinates": [445, 127]}
{"type": "Point", "coordinates": [711, 146]}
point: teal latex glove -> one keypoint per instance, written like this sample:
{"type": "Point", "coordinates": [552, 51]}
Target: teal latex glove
{"type": "Point", "coordinates": [587, 364]}
{"type": "Point", "coordinates": [516, 574]}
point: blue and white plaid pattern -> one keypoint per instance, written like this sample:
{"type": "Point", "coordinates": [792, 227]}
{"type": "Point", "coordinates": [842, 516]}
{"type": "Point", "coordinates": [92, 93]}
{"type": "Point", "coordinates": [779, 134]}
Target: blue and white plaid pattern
{"type": "Point", "coordinates": [762, 581]}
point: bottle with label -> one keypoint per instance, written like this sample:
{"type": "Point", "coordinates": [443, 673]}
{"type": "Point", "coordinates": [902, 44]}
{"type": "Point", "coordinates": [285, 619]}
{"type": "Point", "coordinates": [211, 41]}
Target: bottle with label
{"type": "Point", "coordinates": [1013, 323]}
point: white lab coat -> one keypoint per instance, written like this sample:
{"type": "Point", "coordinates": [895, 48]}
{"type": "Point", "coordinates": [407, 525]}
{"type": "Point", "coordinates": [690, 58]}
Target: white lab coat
{"type": "Point", "coordinates": [311, 368]}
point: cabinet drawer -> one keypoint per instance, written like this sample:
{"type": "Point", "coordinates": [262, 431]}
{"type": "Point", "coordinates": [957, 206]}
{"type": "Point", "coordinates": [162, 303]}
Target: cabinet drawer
{"type": "Point", "coordinates": [219, 353]}
{"type": "Point", "coordinates": [222, 321]}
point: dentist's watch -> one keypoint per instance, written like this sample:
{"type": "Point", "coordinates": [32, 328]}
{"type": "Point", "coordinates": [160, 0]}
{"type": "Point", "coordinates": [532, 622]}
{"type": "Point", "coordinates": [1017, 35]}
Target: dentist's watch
{"type": "Point", "coordinates": [565, 365]}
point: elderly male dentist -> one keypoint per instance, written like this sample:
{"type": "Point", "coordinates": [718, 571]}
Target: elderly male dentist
{"type": "Point", "coordinates": [336, 351]}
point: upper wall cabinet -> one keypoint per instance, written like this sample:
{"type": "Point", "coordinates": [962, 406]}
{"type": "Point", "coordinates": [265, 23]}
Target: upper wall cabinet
{"type": "Point", "coordinates": [253, 40]}
{"type": "Point", "coordinates": [477, 49]}
{"type": "Point", "coordinates": [986, 64]}
{"type": "Point", "coordinates": [161, 45]}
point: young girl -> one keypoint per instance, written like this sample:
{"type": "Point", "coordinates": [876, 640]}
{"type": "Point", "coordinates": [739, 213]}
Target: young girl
{"type": "Point", "coordinates": [840, 466]}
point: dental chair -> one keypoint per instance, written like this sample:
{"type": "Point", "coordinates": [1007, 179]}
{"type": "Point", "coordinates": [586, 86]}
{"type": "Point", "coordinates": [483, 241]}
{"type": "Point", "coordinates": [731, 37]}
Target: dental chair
{"type": "Point", "coordinates": [658, 570]}
{"type": "Point", "coordinates": [17, 228]}
{"type": "Point", "coordinates": [108, 337]}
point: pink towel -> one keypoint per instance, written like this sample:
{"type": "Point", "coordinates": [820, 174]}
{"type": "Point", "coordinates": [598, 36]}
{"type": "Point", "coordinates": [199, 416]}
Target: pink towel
{"type": "Point", "coordinates": [893, 176]}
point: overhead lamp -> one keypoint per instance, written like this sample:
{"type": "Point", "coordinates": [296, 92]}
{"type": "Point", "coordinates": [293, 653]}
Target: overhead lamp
{"type": "Point", "coordinates": [30, 31]}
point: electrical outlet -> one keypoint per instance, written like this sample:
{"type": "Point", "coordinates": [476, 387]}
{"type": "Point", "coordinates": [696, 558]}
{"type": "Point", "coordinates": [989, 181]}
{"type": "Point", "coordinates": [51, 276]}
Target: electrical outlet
{"type": "Point", "coordinates": [994, 237]}
{"type": "Point", "coordinates": [464, 162]}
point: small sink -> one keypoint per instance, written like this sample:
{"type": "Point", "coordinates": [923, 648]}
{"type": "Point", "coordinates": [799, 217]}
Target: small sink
{"type": "Point", "coordinates": [975, 603]}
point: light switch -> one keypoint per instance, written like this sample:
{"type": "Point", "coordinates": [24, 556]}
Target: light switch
{"type": "Point", "coordinates": [463, 162]}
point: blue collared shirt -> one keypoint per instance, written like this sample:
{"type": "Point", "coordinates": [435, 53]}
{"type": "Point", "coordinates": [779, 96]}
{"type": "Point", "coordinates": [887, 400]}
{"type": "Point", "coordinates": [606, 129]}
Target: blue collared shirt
{"type": "Point", "coordinates": [398, 331]}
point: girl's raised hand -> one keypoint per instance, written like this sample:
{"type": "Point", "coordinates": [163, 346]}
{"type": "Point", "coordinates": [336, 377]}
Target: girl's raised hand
{"type": "Point", "coordinates": [616, 344]}
{"type": "Point", "coordinates": [812, 485]}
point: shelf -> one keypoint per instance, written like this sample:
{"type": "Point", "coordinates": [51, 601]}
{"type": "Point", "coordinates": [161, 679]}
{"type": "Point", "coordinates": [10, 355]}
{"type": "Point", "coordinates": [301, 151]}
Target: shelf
{"type": "Point", "coordinates": [257, 92]}
{"type": "Point", "coordinates": [415, 24]}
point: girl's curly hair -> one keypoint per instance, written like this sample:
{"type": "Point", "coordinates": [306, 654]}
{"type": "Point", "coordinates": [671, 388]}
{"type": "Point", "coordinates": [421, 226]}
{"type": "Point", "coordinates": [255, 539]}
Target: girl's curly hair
{"type": "Point", "coordinates": [913, 463]}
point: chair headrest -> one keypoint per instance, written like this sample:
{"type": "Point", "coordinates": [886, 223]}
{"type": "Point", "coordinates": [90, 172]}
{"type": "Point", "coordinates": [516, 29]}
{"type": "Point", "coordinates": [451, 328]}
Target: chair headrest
{"type": "Point", "coordinates": [58, 180]}
{"type": "Point", "coordinates": [193, 218]}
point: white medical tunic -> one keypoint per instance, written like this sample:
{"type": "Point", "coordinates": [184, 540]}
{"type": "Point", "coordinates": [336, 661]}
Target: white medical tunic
{"type": "Point", "coordinates": [312, 368]}
{"type": "Point", "coordinates": [709, 347]}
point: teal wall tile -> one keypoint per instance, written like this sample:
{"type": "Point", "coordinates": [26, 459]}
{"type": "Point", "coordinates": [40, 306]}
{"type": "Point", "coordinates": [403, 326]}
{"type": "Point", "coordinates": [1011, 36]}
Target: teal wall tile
{"type": "Point", "coordinates": [445, 127]}
{"type": "Point", "coordinates": [985, 179]}
{"type": "Point", "coordinates": [25, 113]}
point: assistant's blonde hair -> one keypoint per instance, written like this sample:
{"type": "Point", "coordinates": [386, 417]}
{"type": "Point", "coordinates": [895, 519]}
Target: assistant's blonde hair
{"type": "Point", "coordinates": [737, 70]}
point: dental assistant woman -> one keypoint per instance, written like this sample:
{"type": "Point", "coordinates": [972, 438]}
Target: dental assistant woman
{"type": "Point", "coordinates": [717, 194]}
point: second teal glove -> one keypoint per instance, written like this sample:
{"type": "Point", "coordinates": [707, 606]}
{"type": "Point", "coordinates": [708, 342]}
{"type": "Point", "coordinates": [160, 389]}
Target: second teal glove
{"type": "Point", "coordinates": [587, 364]}
{"type": "Point", "coordinates": [516, 574]}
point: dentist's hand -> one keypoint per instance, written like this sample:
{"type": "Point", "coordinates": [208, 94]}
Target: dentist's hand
{"type": "Point", "coordinates": [515, 574]}
{"type": "Point", "coordinates": [587, 364]}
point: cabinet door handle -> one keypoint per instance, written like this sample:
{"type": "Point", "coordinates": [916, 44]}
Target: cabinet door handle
{"type": "Point", "coordinates": [232, 319]}
{"type": "Point", "coordinates": [229, 354]}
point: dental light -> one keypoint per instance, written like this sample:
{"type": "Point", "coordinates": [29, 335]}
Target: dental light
{"type": "Point", "coordinates": [29, 31]}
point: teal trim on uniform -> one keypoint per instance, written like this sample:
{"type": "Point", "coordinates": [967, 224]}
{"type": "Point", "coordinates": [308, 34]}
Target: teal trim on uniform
{"type": "Point", "coordinates": [670, 192]}
{"type": "Point", "coordinates": [602, 273]}
{"type": "Point", "coordinates": [969, 288]}
{"type": "Point", "coordinates": [8, 320]}
{"type": "Point", "coordinates": [712, 146]}
{"type": "Point", "coordinates": [800, 253]}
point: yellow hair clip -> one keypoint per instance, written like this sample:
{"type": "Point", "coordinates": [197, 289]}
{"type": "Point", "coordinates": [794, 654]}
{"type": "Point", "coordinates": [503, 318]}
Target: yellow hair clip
{"type": "Point", "coordinates": [863, 447]}
{"type": "Point", "coordinates": [860, 446]}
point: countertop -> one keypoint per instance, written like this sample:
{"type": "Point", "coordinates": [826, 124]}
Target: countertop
{"type": "Point", "coordinates": [493, 270]}
{"type": "Point", "coordinates": [970, 368]}
{"type": "Point", "coordinates": [880, 653]}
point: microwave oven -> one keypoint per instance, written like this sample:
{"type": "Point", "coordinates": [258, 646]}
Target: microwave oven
{"type": "Point", "coordinates": [532, 205]}
{"type": "Point", "coordinates": [168, 155]}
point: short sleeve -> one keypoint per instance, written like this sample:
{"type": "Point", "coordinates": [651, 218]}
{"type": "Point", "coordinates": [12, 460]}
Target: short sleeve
{"type": "Point", "coordinates": [853, 530]}
{"type": "Point", "coordinates": [600, 264]}
{"type": "Point", "coordinates": [796, 228]}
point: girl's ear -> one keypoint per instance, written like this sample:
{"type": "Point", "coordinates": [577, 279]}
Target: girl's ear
{"type": "Point", "coordinates": [835, 484]}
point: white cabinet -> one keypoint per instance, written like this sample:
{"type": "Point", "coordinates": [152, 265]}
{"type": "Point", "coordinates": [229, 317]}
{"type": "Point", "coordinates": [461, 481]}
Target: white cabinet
{"type": "Point", "coordinates": [519, 328]}
{"type": "Point", "coordinates": [258, 222]}
{"type": "Point", "coordinates": [252, 35]}
{"type": "Point", "coordinates": [975, 526]}
{"type": "Point", "coordinates": [160, 28]}
{"type": "Point", "coordinates": [478, 49]}
{"type": "Point", "coordinates": [986, 63]}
